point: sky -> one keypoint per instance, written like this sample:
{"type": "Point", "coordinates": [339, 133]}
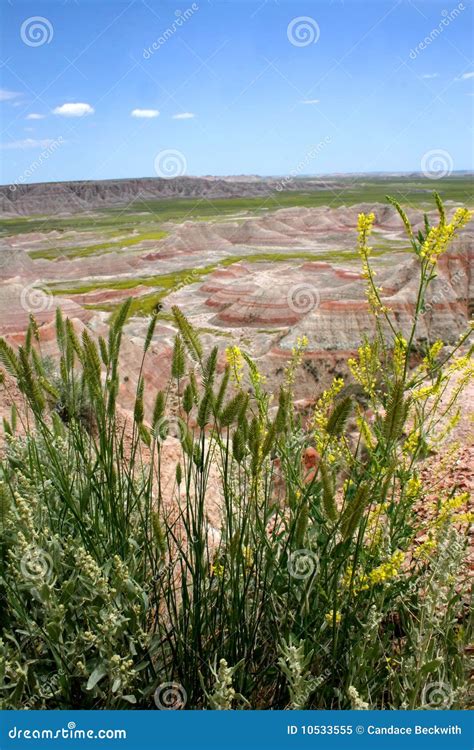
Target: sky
{"type": "Point", "coordinates": [103, 89]}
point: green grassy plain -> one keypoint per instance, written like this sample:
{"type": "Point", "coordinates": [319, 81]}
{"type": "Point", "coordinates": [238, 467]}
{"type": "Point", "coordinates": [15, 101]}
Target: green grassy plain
{"type": "Point", "coordinates": [415, 192]}
{"type": "Point", "coordinates": [100, 248]}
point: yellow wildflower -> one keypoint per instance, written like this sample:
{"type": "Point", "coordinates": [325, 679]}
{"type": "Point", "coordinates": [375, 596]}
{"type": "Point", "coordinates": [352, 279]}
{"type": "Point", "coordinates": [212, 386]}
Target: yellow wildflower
{"type": "Point", "coordinates": [411, 443]}
{"type": "Point", "coordinates": [434, 351]}
{"type": "Point", "coordinates": [365, 370]}
{"type": "Point", "coordinates": [321, 416]}
{"type": "Point", "coordinates": [217, 570]}
{"type": "Point", "coordinates": [235, 361]}
{"type": "Point", "coordinates": [450, 506]}
{"type": "Point", "coordinates": [461, 363]}
{"type": "Point", "coordinates": [425, 549]}
{"type": "Point", "coordinates": [386, 571]}
{"type": "Point", "coordinates": [438, 238]}
{"type": "Point", "coordinates": [425, 392]}
{"type": "Point", "coordinates": [296, 359]}
{"type": "Point", "coordinates": [374, 299]}
{"type": "Point", "coordinates": [413, 487]}
{"type": "Point", "coordinates": [399, 355]}
{"type": "Point", "coordinates": [330, 616]}
{"type": "Point", "coordinates": [364, 227]}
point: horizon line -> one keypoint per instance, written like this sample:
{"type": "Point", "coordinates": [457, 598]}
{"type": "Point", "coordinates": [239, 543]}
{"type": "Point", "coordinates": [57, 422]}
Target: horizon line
{"type": "Point", "coordinates": [251, 175]}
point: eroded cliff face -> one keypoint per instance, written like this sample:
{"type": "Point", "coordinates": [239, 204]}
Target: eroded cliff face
{"type": "Point", "coordinates": [76, 197]}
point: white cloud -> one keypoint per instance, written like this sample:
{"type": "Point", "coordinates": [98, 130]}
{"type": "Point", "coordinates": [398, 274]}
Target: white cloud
{"type": "Point", "coordinates": [466, 76]}
{"type": "Point", "coordinates": [430, 75]}
{"type": "Point", "coordinates": [74, 109]}
{"type": "Point", "coordinates": [6, 95]}
{"type": "Point", "coordinates": [310, 101]}
{"type": "Point", "coordinates": [35, 116]}
{"type": "Point", "coordinates": [147, 113]}
{"type": "Point", "coordinates": [28, 143]}
{"type": "Point", "coordinates": [184, 116]}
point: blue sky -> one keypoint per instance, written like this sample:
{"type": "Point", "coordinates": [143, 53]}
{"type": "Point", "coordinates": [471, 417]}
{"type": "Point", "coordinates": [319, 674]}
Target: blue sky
{"type": "Point", "coordinates": [270, 88]}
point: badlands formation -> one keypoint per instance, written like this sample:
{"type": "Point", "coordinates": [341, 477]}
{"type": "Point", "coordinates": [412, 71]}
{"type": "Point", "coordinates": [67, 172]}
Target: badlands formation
{"type": "Point", "coordinates": [258, 281]}
{"type": "Point", "coordinates": [55, 197]}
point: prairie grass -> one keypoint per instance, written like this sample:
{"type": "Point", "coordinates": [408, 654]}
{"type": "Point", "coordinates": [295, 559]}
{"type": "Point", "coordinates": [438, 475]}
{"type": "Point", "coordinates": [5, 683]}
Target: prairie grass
{"type": "Point", "coordinates": [322, 587]}
{"type": "Point", "coordinates": [101, 248]}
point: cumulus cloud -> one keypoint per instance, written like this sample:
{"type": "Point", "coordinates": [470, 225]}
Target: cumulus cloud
{"type": "Point", "coordinates": [466, 76]}
{"type": "Point", "coordinates": [28, 143]}
{"type": "Point", "coordinates": [430, 75]}
{"type": "Point", "coordinates": [74, 109]}
{"type": "Point", "coordinates": [184, 116]}
{"type": "Point", "coordinates": [6, 95]}
{"type": "Point", "coordinates": [147, 113]}
{"type": "Point", "coordinates": [35, 116]}
{"type": "Point", "coordinates": [310, 101]}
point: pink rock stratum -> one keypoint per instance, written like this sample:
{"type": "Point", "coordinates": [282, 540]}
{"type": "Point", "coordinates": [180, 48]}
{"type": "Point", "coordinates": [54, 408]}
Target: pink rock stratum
{"type": "Point", "coordinates": [259, 282]}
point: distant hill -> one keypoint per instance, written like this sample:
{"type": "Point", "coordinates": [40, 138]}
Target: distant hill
{"type": "Point", "coordinates": [72, 197]}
